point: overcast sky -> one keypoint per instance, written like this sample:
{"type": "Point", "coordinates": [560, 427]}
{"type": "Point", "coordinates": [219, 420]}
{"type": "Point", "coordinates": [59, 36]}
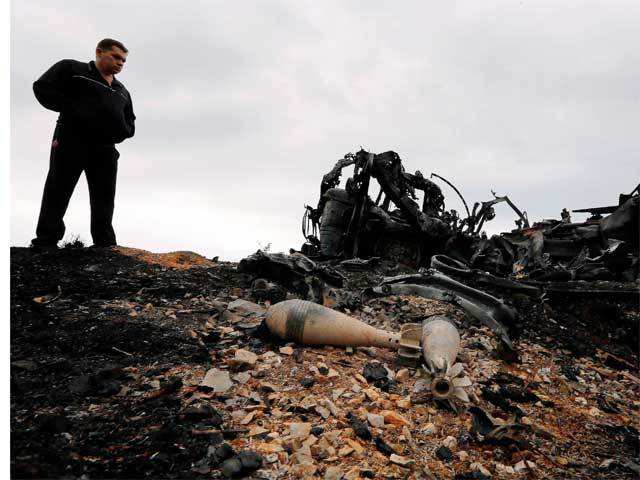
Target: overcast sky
{"type": "Point", "coordinates": [243, 106]}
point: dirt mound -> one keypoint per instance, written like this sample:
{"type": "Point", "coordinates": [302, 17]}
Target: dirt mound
{"type": "Point", "coordinates": [180, 259]}
{"type": "Point", "coordinates": [107, 369]}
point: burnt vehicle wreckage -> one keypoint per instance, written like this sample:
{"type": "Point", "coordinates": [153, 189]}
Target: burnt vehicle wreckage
{"type": "Point", "coordinates": [455, 260]}
{"type": "Point", "coordinates": [351, 224]}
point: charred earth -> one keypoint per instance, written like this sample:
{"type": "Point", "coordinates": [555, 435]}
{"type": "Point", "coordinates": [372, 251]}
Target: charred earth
{"type": "Point", "coordinates": [126, 364]}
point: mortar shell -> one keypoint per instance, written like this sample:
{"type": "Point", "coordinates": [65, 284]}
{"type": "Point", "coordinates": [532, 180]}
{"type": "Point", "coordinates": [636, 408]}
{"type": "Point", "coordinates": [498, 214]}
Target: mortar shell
{"type": "Point", "coordinates": [440, 342]}
{"type": "Point", "coordinates": [308, 323]}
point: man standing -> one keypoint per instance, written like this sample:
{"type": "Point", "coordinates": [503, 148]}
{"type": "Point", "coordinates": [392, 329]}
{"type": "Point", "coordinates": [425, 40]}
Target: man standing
{"type": "Point", "coordinates": [95, 113]}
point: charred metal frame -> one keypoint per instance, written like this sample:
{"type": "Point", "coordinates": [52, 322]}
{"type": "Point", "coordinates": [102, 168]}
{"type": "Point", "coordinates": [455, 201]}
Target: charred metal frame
{"type": "Point", "coordinates": [427, 226]}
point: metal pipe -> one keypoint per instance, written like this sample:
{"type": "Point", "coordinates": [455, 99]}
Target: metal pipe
{"type": "Point", "coordinates": [487, 309]}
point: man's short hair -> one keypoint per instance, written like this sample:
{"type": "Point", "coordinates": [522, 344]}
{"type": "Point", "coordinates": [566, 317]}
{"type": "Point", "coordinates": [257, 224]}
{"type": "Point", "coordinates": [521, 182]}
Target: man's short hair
{"type": "Point", "coordinates": [108, 43]}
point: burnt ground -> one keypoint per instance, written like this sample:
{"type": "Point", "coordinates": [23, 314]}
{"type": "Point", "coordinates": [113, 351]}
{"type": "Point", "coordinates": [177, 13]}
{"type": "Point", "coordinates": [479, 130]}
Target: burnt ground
{"type": "Point", "coordinates": [108, 350]}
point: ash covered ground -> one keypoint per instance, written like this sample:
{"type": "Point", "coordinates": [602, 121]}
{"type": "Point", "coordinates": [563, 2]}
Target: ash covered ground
{"type": "Point", "coordinates": [126, 364]}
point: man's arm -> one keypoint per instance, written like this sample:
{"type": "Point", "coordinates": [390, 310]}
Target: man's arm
{"type": "Point", "coordinates": [49, 88]}
{"type": "Point", "coordinates": [130, 118]}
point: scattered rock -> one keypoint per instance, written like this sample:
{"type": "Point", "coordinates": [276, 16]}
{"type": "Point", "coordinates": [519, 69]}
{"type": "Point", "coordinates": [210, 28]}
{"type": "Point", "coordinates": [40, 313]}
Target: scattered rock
{"type": "Point", "coordinates": [202, 412]}
{"type": "Point", "coordinates": [520, 466]}
{"type": "Point", "coordinates": [375, 420]}
{"type": "Point", "coordinates": [359, 428]}
{"type": "Point", "coordinates": [242, 360]}
{"type": "Point", "coordinates": [218, 380]}
{"type": "Point", "coordinates": [246, 307]}
{"type": "Point", "coordinates": [220, 453]}
{"type": "Point", "coordinates": [323, 412]}
{"type": "Point", "coordinates": [383, 446]}
{"type": "Point", "coordinates": [250, 460]}
{"type": "Point", "coordinates": [332, 373]}
{"type": "Point", "coordinates": [262, 396]}
{"type": "Point", "coordinates": [300, 430]}
{"type": "Point", "coordinates": [344, 451]}
{"type": "Point", "coordinates": [242, 377]}
{"type": "Point", "coordinates": [478, 467]}
{"type": "Point", "coordinates": [242, 464]}
{"type": "Point", "coordinates": [444, 454]}
{"type": "Point", "coordinates": [256, 431]}
{"type": "Point", "coordinates": [322, 367]}
{"type": "Point", "coordinates": [394, 418]}
{"type": "Point", "coordinates": [371, 394]}
{"type": "Point", "coordinates": [307, 382]}
{"type": "Point", "coordinates": [399, 460]}
{"type": "Point", "coordinates": [248, 418]}
{"type": "Point", "coordinates": [335, 411]}
{"type": "Point", "coordinates": [333, 473]}
{"type": "Point", "coordinates": [428, 429]}
{"type": "Point", "coordinates": [232, 468]}
{"type": "Point", "coordinates": [374, 371]}
{"type": "Point", "coordinates": [357, 447]}
{"type": "Point", "coordinates": [450, 442]}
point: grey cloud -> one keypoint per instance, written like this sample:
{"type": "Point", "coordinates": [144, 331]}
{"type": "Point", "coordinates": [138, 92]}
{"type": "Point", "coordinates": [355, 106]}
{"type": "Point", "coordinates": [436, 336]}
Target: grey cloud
{"type": "Point", "coordinates": [243, 107]}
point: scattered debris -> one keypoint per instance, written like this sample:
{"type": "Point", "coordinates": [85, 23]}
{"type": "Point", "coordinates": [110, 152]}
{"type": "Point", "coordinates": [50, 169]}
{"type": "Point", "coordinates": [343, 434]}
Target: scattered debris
{"type": "Point", "coordinates": [165, 370]}
{"type": "Point", "coordinates": [294, 272]}
{"type": "Point", "coordinates": [217, 380]}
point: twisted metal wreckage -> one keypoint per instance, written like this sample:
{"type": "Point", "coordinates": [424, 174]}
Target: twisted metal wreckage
{"type": "Point", "coordinates": [349, 228]}
{"type": "Point", "coordinates": [352, 225]}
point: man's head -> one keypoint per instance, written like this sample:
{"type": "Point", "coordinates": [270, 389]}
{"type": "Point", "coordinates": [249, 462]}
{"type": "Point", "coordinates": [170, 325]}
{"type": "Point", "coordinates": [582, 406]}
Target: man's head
{"type": "Point", "coordinates": [110, 56]}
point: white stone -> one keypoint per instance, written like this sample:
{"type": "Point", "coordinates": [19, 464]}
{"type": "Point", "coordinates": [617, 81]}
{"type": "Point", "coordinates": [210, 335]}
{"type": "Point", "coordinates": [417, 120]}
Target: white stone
{"type": "Point", "coordinates": [375, 420]}
{"type": "Point", "coordinates": [243, 358]}
{"type": "Point", "coordinates": [323, 412]}
{"type": "Point", "coordinates": [242, 377]}
{"type": "Point", "coordinates": [333, 473]}
{"type": "Point", "coordinates": [450, 442]}
{"type": "Point", "coordinates": [520, 466]}
{"type": "Point", "coordinates": [300, 430]}
{"type": "Point", "coordinates": [218, 380]}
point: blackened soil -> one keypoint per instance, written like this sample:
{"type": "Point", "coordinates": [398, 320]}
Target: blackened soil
{"type": "Point", "coordinates": [101, 344]}
{"type": "Point", "coordinates": [83, 364]}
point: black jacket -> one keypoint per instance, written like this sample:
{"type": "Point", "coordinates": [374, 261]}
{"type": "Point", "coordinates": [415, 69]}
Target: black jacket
{"type": "Point", "coordinates": [91, 111]}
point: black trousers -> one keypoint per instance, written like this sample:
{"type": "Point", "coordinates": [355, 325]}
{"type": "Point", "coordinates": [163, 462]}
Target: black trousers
{"type": "Point", "coordinates": [69, 158]}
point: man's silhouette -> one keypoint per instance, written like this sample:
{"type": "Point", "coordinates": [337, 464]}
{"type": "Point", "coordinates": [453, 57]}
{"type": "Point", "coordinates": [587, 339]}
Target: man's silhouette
{"type": "Point", "coordinates": [95, 113]}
